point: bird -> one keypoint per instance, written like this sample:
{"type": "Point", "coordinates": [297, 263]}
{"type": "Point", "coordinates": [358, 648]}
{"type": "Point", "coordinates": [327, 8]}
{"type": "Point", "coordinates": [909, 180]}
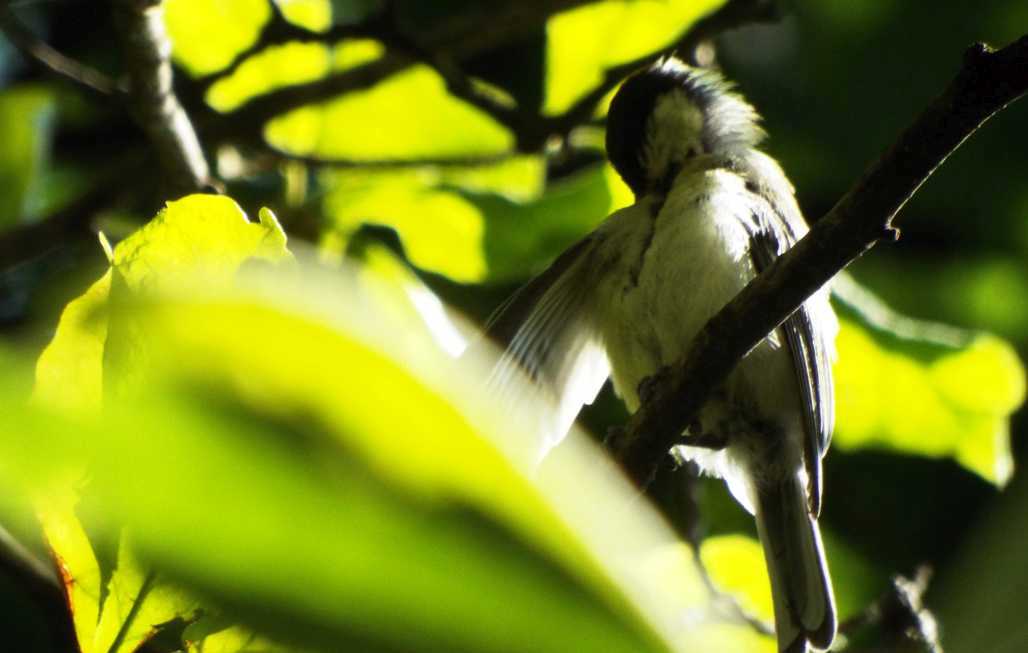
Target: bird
{"type": "Point", "coordinates": [711, 211]}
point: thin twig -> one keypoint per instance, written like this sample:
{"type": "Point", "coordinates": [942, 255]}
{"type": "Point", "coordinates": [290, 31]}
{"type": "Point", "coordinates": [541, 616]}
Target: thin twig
{"type": "Point", "coordinates": [441, 162]}
{"type": "Point", "coordinates": [147, 53]}
{"type": "Point", "coordinates": [987, 82]}
{"type": "Point", "coordinates": [457, 38]}
{"type": "Point", "coordinates": [35, 50]}
{"type": "Point", "coordinates": [279, 31]}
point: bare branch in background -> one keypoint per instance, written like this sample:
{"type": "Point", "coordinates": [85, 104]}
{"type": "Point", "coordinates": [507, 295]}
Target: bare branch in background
{"type": "Point", "coordinates": [987, 82]}
{"type": "Point", "coordinates": [146, 52]}
{"type": "Point", "coordinates": [900, 615]}
{"type": "Point", "coordinates": [44, 56]}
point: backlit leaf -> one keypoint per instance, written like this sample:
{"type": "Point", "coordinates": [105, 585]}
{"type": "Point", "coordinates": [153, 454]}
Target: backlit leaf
{"type": "Point", "coordinates": [924, 388]}
{"type": "Point", "coordinates": [584, 41]}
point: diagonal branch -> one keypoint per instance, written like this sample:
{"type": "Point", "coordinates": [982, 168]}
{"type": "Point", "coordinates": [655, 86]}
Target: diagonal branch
{"type": "Point", "coordinates": [987, 82]}
{"type": "Point", "coordinates": [147, 54]}
{"type": "Point", "coordinates": [78, 74]}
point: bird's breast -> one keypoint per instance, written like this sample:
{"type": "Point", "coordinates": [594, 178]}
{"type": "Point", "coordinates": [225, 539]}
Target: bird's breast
{"type": "Point", "coordinates": [679, 262]}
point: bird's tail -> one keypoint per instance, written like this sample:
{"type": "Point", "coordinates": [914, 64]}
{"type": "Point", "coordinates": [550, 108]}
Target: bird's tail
{"type": "Point", "coordinates": [800, 587]}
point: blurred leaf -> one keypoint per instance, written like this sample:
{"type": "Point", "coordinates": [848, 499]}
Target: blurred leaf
{"type": "Point", "coordinates": [441, 230]}
{"type": "Point", "coordinates": [26, 122]}
{"type": "Point", "coordinates": [315, 15]}
{"type": "Point", "coordinates": [206, 35]}
{"type": "Point", "coordinates": [583, 42]}
{"type": "Point", "coordinates": [736, 565]}
{"type": "Point", "coordinates": [284, 65]}
{"type": "Point", "coordinates": [384, 501]}
{"type": "Point", "coordinates": [522, 238]}
{"type": "Point", "coordinates": [379, 124]}
{"type": "Point", "coordinates": [273, 67]}
{"type": "Point", "coordinates": [924, 388]}
{"type": "Point", "coordinates": [476, 223]}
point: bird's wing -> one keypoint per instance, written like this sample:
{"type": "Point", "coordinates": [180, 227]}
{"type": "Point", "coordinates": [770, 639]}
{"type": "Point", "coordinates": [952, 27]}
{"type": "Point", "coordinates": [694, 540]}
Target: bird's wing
{"type": "Point", "coordinates": [549, 332]}
{"type": "Point", "coordinates": [810, 352]}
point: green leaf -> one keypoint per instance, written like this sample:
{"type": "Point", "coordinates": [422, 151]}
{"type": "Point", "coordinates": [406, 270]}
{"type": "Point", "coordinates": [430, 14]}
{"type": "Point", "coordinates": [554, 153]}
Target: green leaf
{"type": "Point", "coordinates": [315, 15]}
{"type": "Point", "coordinates": [26, 120]}
{"type": "Point", "coordinates": [441, 229]}
{"type": "Point", "coordinates": [284, 65]}
{"type": "Point", "coordinates": [924, 388]}
{"type": "Point", "coordinates": [206, 35]}
{"type": "Point", "coordinates": [135, 603]}
{"type": "Point", "coordinates": [377, 124]}
{"type": "Point", "coordinates": [80, 572]}
{"type": "Point", "coordinates": [736, 565]}
{"type": "Point", "coordinates": [69, 372]}
{"type": "Point", "coordinates": [584, 41]}
{"type": "Point", "coordinates": [203, 234]}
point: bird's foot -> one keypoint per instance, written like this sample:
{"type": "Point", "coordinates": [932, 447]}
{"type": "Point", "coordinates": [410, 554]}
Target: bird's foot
{"type": "Point", "coordinates": [647, 389]}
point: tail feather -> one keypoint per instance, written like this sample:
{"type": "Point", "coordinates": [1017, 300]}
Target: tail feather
{"type": "Point", "coordinates": [800, 587]}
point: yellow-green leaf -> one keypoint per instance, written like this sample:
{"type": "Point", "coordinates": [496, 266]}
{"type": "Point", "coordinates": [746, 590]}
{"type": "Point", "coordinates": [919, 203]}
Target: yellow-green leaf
{"type": "Point", "coordinates": [378, 124]}
{"type": "Point", "coordinates": [584, 41]}
{"type": "Point", "coordinates": [315, 15]}
{"type": "Point", "coordinates": [924, 388]}
{"type": "Point", "coordinates": [76, 562]}
{"type": "Point", "coordinates": [206, 35]}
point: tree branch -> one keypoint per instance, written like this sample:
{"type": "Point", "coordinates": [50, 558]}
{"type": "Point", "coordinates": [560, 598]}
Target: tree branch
{"type": "Point", "coordinates": [152, 101]}
{"type": "Point", "coordinates": [987, 82]}
{"type": "Point", "coordinates": [49, 59]}
{"type": "Point", "coordinates": [456, 39]}
{"type": "Point", "coordinates": [279, 31]}
{"type": "Point", "coordinates": [900, 615]}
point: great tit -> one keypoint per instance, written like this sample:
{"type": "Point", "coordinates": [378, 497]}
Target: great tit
{"type": "Point", "coordinates": [711, 211]}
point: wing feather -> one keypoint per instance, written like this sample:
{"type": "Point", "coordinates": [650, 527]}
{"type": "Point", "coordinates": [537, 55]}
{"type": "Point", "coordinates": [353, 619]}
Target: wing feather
{"type": "Point", "coordinates": [808, 342]}
{"type": "Point", "coordinates": [549, 333]}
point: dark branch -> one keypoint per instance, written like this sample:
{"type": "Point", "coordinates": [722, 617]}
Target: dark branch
{"type": "Point", "coordinates": [146, 53]}
{"type": "Point", "coordinates": [899, 615]}
{"type": "Point", "coordinates": [50, 60]}
{"type": "Point", "coordinates": [279, 31]}
{"type": "Point", "coordinates": [453, 161]}
{"type": "Point", "coordinates": [456, 39]}
{"type": "Point", "coordinates": [987, 82]}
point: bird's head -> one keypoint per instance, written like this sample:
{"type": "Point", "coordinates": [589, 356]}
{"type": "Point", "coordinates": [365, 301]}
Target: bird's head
{"type": "Point", "coordinates": [668, 113]}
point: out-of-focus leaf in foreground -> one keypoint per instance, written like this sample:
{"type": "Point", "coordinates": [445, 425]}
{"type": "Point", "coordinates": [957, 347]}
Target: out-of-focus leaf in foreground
{"type": "Point", "coordinates": [923, 388]}
{"type": "Point", "coordinates": [298, 459]}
